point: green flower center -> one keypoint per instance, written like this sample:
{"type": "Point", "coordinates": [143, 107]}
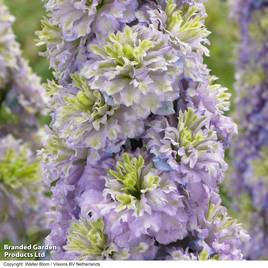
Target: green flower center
{"type": "Point", "coordinates": [189, 126]}
{"type": "Point", "coordinates": [191, 136]}
{"type": "Point", "coordinates": [124, 48]}
{"type": "Point", "coordinates": [16, 171]}
{"type": "Point", "coordinates": [87, 238]}
{"type": "Point", "coordinates": [87, 101]}
{"type": "Point", "coordinates": [188, 139]}
{"type": "Point", "coordinates": [187, 24]}
{"type": "Point", "coordinates": [130, 173]}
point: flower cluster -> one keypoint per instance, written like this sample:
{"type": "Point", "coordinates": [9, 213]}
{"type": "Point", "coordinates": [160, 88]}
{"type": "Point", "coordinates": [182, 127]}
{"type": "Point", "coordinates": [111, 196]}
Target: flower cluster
{"type": "Point", "coordinates": [250, 149]}
{"type": "Point", "coordinates": [20, 90]}
{"type": "Point", "coordinates": [20, 178]}
{"type": "Point", "coordinates": [135, 152]}
{"type": "Point", "coordinates": [19, 190]}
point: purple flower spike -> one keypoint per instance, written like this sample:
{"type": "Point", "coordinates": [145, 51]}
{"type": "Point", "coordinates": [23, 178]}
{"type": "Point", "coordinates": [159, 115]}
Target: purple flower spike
{"type": "Point", "coordinates": [136, 149]}
{"type": "Point", "coordinates": [250, 157]}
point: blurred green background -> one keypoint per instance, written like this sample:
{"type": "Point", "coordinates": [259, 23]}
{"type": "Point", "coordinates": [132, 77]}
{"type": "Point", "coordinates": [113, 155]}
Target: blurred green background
{"type": "Point", "coordinates": [29, 12]}
{"type": "Point", "coordinates": [222, 38]}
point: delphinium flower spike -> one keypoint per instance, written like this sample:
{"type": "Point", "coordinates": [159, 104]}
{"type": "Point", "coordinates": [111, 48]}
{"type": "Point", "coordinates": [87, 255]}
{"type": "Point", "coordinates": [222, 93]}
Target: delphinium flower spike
{"type": "Point", "coordinates": [136, 149]}
{"type": "Point", "coordinates": [250, 177]}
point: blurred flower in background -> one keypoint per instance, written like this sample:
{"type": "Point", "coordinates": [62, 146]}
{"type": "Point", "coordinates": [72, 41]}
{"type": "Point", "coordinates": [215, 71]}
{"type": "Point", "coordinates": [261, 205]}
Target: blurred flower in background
{"type": "Point", "coordinates": [249, 182]}
{"type": "Point", "coordinates": [22, 196]}
{"type": "Point", "coordinates": [28, 16]}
